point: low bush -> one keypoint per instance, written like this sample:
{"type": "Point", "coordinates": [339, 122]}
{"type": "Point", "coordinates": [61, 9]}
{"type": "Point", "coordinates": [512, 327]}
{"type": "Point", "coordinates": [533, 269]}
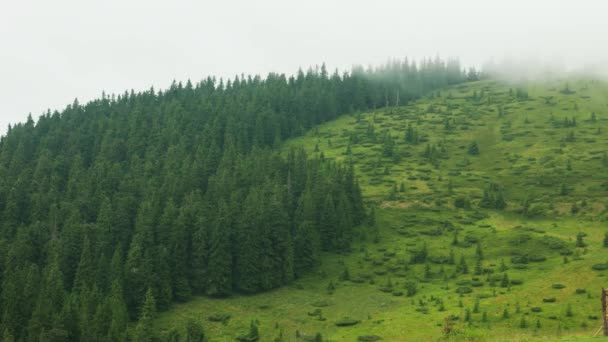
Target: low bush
{"type": "Point", "coordinates": [600, 267]}
{"type": "Point", "coordinates": [346, 322]}
{"type": "Point", "coordinates": [464, 289]}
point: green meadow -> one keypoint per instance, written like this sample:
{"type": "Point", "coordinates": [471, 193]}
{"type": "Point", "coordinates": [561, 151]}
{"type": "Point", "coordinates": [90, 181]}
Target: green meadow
{"type": "Point", "coordinates": [490, 204]}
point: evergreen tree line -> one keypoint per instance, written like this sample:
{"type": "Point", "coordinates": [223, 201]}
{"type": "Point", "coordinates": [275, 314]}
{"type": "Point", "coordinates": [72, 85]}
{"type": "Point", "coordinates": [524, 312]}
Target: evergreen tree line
{"type": "Point", "coordinates": [161, 195]}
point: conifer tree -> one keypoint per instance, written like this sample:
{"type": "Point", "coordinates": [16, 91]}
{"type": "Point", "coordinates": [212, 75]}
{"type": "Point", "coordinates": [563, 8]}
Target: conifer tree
{"type": "Point", "coordinates": [328, 223]}
{"type": "Point", "coordinates": [473, 148]}
{"type": "Point", "coordinates": [144, 328]}
{"type": "Point", "coordinates": [139, 265]}
{"type": "Point", "coordinates": [120, 316]}
{"type": "Point", "coordinates": [219, 282]}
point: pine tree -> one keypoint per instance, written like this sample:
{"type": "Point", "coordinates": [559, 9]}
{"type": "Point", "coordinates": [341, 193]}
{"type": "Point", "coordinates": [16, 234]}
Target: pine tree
{"type": "Point", "coordinates": [49, 302]}
{"type": "Point", "coordinates": [139, 265]}
{"type": "Point", "coordinates": [478, 267]}
{"type": "Point", "coordinates": [499, 201]}
{"type": "Point", "coordinates": [328, 223]}
{"type": "Point", "coordinates": [161, 284]}
{"type": "Point", "coordinates": [85, 277]}
{"type": "Point", "coordinates": [522, 323]}
{"type": "Point", "coordinates": [372, 217]}
{"type": "Point", "coordinates": [462, 265]}
{"type": "Point", "coordinates": [144, 328]}
{"type": "Point", "coordinates": [219, 282]}
{"type": "Point", "coordinates": [344, 224]}
{"type": "Point", "coordinates": [479, 251]}
{"type": "Point", "coordinates": [120, 316]}
{"type": "Point", "coordinates": [180, 250]}
{"type": "Point", "coordinates": [473, 149]}
{"type": "Point", "coordinates": [282, 259]}
{"type": "Point", "coordinates": [505, 280]}
{"type": "Point", "coordinates": [579, 240]}
{"type": "Point", "coordinates": [200, 256]}
{"type": "Point", "coordinates": [388, 145]}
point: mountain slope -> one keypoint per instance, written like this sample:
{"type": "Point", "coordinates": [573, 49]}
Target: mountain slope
{"type": "Point", "coordinates": [490, 208]}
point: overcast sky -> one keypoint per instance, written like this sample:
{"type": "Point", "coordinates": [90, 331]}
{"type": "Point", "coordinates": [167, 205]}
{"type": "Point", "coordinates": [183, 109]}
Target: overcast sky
{"type": "Point", "coordinates": [54, 51]}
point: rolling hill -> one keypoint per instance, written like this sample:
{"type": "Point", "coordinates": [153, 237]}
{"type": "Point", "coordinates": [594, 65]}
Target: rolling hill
{"type": "Point", "coordinates": [488, 221]}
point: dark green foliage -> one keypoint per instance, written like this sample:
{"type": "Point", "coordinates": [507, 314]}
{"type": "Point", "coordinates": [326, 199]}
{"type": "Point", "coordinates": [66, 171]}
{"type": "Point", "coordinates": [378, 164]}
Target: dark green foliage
{"type": "Point", "coordinates": [462, 202]}
{"type": "Point", "coordinates": [570, 137]}
{"type": "Point", "coordinates": [464, 290]}
{"type": "Point", "coordinates": [388, 145]}
{"type": "Point", "coordinates": [419, 255]}
{"type": "Point", "coordinates": [600, 267]}
{"type": "Point", "coordinates": [476, 306]}
{"type": "Point", "coordinates": [158, 196]}
{"type": "Point", "coordinates": [253, 334]}
{"type": "Point", "coordinates": [411, 135]}
{"type": "Point", "coordinates": [493, 197]}
{"type": "Point", "coordinates": [579, 239]}
{"type": "Point", "coordinates": [504, 282]}
{"type": "Point", "coordinates": [467, 315]}
{"type": "Point", "coordinates": [345, 275]}
{"type": "Point", "coordinates": [462, 266]}
{"type": "Point", "coordinates": [569, 312]}
{"type": "Point", "coordinates": [563, 190]}
{"type": "Point", "coordinates": [144, 329]}
{"type": "Point", "coordinates": [331, 287]}
{"type": "Point", "coordinates": [346, 322]}
{"type": "Point", "coordinates": [194, 331]}
{"type": "Point", "coordinates": [522, 323]}
{"type": "Point", "coordinates": [566, 90]}
{"type": "Point", "coordinates": [473, 149]}
{"type": "Point", "coordinates": [411, 288]}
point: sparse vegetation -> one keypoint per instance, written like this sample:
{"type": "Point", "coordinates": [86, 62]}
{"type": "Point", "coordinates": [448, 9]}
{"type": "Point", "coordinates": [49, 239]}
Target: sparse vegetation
{"type": "Point", "coordinates": [467, 254]}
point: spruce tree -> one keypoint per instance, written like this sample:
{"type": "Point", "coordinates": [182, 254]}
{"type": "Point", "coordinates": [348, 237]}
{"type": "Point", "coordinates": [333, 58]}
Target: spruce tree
{"type": "Point", "coordinates": [473, 149]}
{"type": "Point", "coordinates": [120, 316]}
{"type": "Point", "coordinates": [219, 282]}
{"type": "Point", "coordinates": [328, 224]}
{"type": "Point", "coordinates": [144, 329]}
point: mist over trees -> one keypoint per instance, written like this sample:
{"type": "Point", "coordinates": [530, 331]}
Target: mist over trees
{"type": "Point", "coordinates": [112, 210]}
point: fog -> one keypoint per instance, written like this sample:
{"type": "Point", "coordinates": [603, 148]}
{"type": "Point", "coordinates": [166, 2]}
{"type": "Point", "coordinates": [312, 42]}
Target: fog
{"type": "Point", "coordinates": [54, 51]}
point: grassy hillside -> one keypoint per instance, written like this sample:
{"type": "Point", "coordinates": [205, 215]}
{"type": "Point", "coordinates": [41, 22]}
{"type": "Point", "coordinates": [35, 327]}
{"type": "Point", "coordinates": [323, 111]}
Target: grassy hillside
{"type": "Point", "coordinates": [527, 215]}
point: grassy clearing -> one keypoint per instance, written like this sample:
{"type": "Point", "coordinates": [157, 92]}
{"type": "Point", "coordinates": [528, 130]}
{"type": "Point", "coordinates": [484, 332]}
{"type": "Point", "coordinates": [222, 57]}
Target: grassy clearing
{"type": "Point", "coordinates": [527, 150]}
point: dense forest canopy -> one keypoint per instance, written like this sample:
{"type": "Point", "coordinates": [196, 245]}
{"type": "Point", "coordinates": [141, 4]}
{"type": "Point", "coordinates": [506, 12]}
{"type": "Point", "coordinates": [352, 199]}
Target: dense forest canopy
{"type": "Point", "coordinates": [114, 209]}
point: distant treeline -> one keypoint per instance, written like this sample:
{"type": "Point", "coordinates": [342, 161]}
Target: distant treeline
{"type": "Point", "coordinates": [167, 194]}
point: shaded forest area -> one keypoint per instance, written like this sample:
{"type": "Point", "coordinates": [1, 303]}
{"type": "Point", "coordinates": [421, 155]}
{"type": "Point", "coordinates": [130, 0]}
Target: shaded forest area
{"type": "Point", "coordinates": [117, 208]}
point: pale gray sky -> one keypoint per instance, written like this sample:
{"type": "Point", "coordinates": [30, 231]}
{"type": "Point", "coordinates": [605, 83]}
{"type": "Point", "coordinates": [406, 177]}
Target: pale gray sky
{"type": "Point", "coordinates": [54, 51]}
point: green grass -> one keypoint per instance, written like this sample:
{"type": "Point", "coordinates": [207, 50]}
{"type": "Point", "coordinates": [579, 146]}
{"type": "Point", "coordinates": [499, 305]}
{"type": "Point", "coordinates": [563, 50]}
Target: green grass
{"type": "Point", "coordinates": [525, 152]}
